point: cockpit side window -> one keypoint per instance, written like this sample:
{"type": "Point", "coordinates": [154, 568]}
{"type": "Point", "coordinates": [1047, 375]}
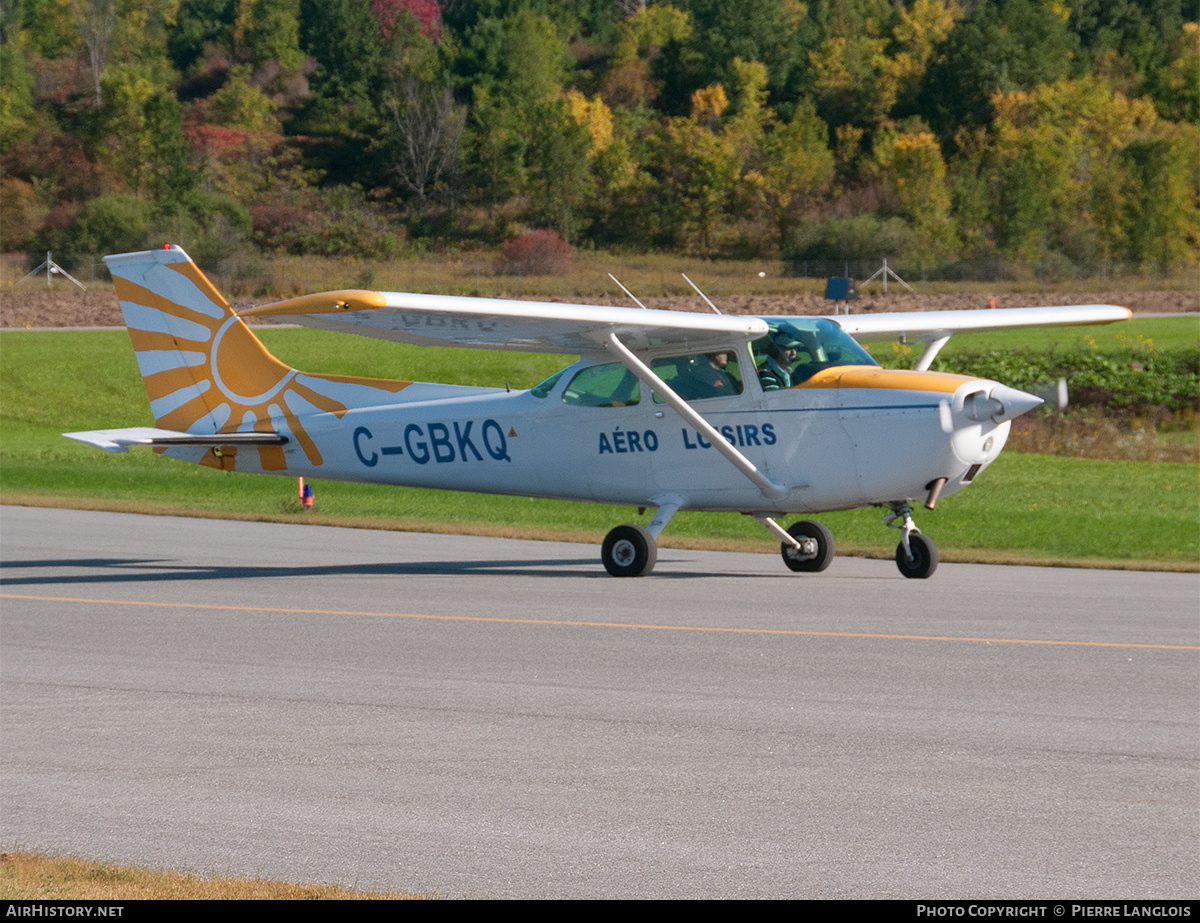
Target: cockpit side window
{"type": "Point", "coordinates": [608, 385]}
{"type": "Point", "coordinates": [796, 350]}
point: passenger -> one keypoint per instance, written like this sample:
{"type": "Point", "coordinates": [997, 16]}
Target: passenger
{"type": "Point", "coordinates": [721, 382]}
{"type": "Point", "coordinates": [706, 375]}
{"type": "Point", "coordinates": [776, 372]}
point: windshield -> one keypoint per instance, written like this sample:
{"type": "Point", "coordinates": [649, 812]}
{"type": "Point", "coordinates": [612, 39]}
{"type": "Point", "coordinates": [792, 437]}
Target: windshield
{"type": "Point", "coordinates": [797, 349]}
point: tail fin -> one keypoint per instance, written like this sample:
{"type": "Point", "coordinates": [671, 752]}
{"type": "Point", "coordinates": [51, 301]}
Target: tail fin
{"type": "Point", "coordinates": [205, 373]}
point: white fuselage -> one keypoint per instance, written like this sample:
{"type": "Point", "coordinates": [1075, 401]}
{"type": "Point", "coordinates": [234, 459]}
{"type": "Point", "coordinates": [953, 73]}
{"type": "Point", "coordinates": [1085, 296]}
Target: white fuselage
{"type": "Point", "coordinates": [852, 436]}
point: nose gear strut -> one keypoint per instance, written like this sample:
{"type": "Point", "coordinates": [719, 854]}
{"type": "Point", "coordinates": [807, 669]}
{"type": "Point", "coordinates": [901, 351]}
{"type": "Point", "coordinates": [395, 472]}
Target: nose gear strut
{"type": "Point", "coordinates": [916, 555]}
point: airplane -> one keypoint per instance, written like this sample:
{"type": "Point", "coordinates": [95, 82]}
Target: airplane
{"type": "Point", "coordinates": [765, 416]}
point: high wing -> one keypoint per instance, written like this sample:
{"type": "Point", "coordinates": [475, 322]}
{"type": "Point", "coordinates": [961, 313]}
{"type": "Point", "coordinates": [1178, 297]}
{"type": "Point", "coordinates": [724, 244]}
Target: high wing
{"type": "Point", "coordinates": [934, 328]}
{"type": "Point", "coordinates": [494, 323]}
{"type": "Point", "coordinates": [921, 323]}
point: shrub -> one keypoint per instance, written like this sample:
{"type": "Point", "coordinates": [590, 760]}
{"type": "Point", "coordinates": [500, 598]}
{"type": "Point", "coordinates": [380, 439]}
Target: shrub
{"type": "Point", "coordinates": [1136, 378]}
{"type": "Point", "coordinates": [209, 225]}
{"type": "Point", "coordinates": [339, 221]}
{"type": "Point", "coordinates": [24, 214]}
{"type": "Point", "coordinates": [112, 223]}
{"type": "Point", "coordinates": [538, 253]}
{"type": "Point", "coordinates": [862, 237]}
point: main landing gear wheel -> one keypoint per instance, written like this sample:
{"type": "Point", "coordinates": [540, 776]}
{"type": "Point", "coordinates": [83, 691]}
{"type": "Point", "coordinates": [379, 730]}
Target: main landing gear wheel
{"type": "Point", "coordinates": [629, 551]}
{"type": "Point", "coordinates": [924, 557]}
{"type": "Point", "coordinates": [816, 551]}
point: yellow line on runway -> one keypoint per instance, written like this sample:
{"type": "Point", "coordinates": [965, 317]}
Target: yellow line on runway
{"type": "Point", "coordinates": [584, 624]}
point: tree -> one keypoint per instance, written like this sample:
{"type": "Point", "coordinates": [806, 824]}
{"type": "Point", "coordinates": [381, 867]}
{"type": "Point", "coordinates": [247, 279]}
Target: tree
{"type": "Point", "coordinates": [269, 30]}
{"type": "Point", "coordinates": [1176, 86]}
{"type": "Point", "coordinates": [145, 143]}
{"type": "Point", "coordinates": [1137, 31]}
{"type": "Point", "coordinates": [18, 114]}
{"type": "Point", "coordinates": [999, 47]}
{"type": "Point", "coordinates": [498, 145]}
{"type": "Point", "coordinates": [1063, 172]}
{"type": "Point", "coordinates": [700, 168]}
{"type": "Point", "coordinates": [641, 37]}
{"type": "Point", "coordinates": [96, 20]}
{"type": "Point", "coordinates": [516, 68]}
{"type": "Point", "coordinates": [560, 181]}
{"type": "Point", "coordinates": [776, 33]}
{"type": "Point", "coordinates": [343, 37]}
{"type": "Point", "coordinates": [429, 130]}
{"type": "Point", "coordinates": [426, 13]}
{"type": "Point", "coordinates": [797, 168]}
{"type": "Point", "coordinates": [199, 25]}
{"type": "Point", "coordinates": [911, 164]}
{"type": "Point", "coordinates": [1162, 218]}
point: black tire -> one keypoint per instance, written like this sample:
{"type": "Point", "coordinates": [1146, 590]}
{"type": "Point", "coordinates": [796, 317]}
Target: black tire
{"type": "Point", "coordinates": [816, 561]}
{"type": "Point", "coordinates": [925, 557]}
{"type": "Point", "coordinates": [629, 551]}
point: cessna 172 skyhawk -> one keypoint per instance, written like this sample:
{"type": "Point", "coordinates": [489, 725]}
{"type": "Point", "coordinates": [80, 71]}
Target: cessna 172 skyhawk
{"type": "Point", "coordinates": [759, 415]}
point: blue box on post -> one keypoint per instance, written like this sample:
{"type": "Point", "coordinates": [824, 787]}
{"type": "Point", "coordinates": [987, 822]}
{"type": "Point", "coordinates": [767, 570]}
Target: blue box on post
{"type": "Point", "coordinates": [841, 288]}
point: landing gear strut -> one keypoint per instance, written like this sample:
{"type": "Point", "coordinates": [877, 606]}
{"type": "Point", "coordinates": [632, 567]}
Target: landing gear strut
{"type": "Point", "coordinates": [916, 555]}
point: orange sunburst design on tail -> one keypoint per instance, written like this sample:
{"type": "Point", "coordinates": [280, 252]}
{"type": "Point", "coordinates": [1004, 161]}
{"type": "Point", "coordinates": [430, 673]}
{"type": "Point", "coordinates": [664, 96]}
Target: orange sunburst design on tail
{"type": "Point", "coordinates": [205, 372]}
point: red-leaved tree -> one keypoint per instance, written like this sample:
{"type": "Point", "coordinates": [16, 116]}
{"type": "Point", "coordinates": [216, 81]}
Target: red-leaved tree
{"type": "Point", "coordinates": [428, 14]}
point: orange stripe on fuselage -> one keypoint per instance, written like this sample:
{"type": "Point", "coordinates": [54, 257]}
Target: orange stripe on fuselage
{"type": "Point", "coordinates": [870, 376]}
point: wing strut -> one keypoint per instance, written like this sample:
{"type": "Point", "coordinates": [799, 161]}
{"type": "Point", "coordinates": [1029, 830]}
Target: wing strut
{"type": "Point", "coordinates": [933, 345]}
{"type": "Point", "coordinates": [645, 374]}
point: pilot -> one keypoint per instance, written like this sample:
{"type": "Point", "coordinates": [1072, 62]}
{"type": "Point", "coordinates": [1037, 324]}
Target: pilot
{"type": "Point", "coordinates": [775, 373]}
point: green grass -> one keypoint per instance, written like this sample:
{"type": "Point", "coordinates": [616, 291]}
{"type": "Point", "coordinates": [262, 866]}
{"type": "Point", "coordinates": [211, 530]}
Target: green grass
{"type": "Point", "coordinates": [1164, 333]}
{"type": "Point", "coordinates": [1025, 507]}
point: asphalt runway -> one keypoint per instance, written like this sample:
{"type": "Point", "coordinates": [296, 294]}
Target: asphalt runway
{"type": "Point", "coordinates": [495, 718]}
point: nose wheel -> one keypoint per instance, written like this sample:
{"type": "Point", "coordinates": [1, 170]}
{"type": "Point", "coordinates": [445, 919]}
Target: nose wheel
{"type": "Point", "coordinates": [916, 555]}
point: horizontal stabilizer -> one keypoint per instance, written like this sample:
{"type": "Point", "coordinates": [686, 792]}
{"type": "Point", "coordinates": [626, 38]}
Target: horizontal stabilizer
{"type": "Point", "coordinates": [119, 440]}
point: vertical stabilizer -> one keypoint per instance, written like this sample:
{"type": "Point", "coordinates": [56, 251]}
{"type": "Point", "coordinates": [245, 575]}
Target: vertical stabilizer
{"type": "Point", "coordinates": [205, 372]}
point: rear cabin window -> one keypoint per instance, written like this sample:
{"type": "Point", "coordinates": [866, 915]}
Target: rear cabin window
{"type": "Point", "coordinates": [700, 376]}
{"type": "Point", "coordinates": [609, 385]}
{"type": "Point", "coordinates": [544, 389]}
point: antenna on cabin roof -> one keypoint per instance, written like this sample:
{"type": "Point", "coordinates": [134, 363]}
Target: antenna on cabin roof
{"type": "Point", "coordinates": [698, 292]}
{"type": "Point", "coordinates": [53, 269]}
{"type": "Point", "coordinates": [627, 292]}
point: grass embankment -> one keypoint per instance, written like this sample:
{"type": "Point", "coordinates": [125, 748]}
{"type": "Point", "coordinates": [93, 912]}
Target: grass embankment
{"type": "Point", "coordinates": [1025, 508]}
{"type": "Point", "coordinates": [24, 877]}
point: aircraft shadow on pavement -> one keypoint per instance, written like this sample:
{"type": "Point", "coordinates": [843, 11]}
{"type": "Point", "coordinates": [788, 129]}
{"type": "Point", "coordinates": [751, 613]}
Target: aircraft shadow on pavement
{"type": "Point", "coordinates": [149, 570]}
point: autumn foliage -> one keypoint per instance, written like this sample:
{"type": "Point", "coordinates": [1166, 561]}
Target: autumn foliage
{"type": "Point", "coordinates": [933, 131]}
{"type": "Point", "coordinates": [538, 253]}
